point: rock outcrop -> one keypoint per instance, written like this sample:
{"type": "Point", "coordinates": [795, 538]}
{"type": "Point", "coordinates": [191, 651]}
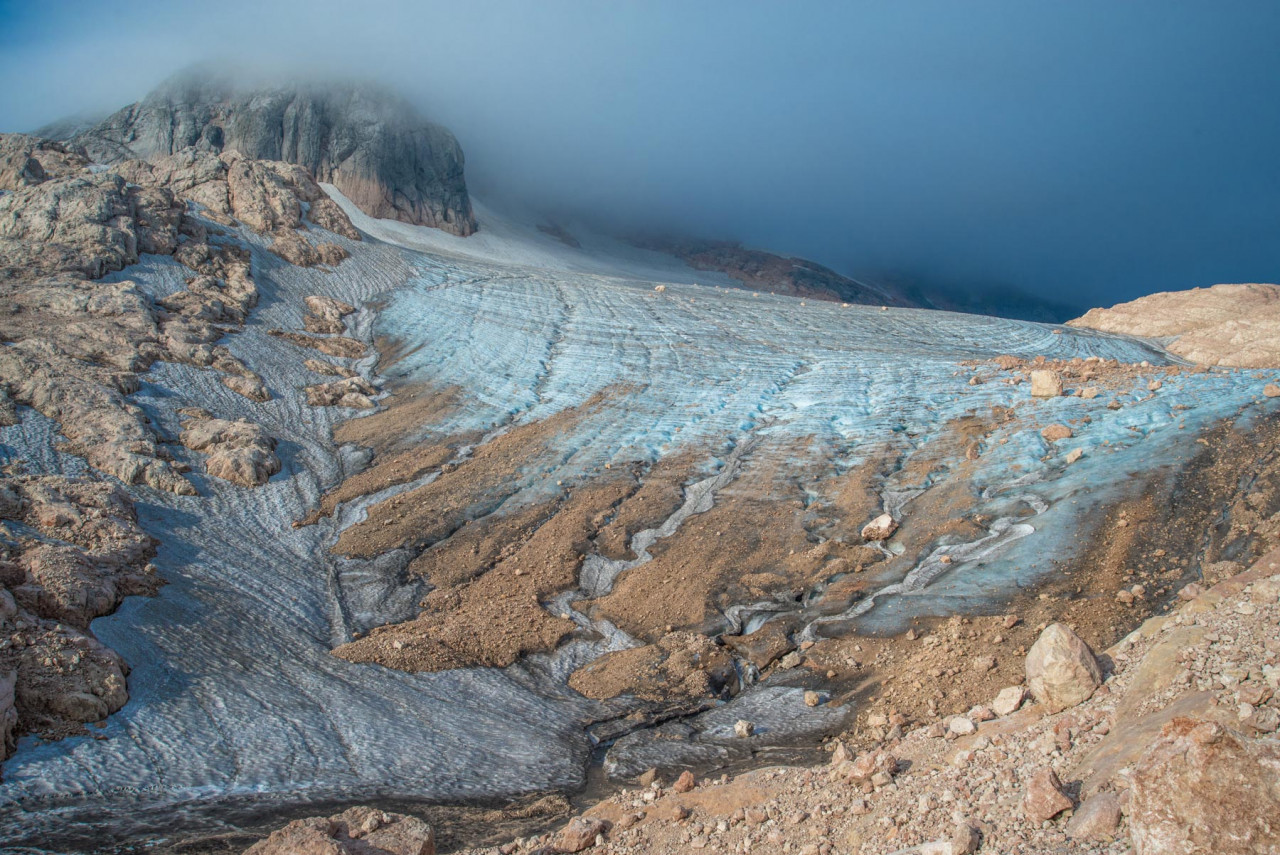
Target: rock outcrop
{"type": "Point", "coordinates": [366, 141]}
{"type": "Point", "coordinates": [1236, 326]}
{"type": "Point", "coordinates": [358, 831]}
{"type": "Point", "coordinates": [1202, 789]}
{"type": "Point", "coordinates": [237, 451]}
{"type": "Point", "coordinates": [70, 550]}
{"type": "Point", "coordinates": [75, 344]}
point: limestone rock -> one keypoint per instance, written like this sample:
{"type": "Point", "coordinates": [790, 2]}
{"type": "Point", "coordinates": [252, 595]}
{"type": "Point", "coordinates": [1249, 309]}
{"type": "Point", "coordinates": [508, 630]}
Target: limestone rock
{"type": "Point", "coordinates": [238, 451]}
{"type": "Point", "coordinates": [1046, 384]}
{"type": "Point", "coordinates": [26, 161]}
{"type": "Point", "coordinates": [1229, 325]}
{"type": "Point", "coordinates": [1055, 432]}
{"type": "Point", "coordinates": [1097, 819]}
{"type": "Point", "coordinates": [250, 387]}
{"type": "Point", "coordinates": [880, 528]}
{"type": "Point", "coordinates": [325, 314]}
{"type": "Point", "coordinates": [358, 831]}
{"type": "Point", "coordinates": [327, 214]}
{"type": "Point", "coordinates": [1061, 669]}
{"type": "Point", "coordinates": [8, 710]}
{"type": "Point", "coordinates": [319, 366]}
{"type": "Point", "coordinates": [580, 833]}
{"type": "Point", "coordinates": [348, 348]}
{"type": "Point", "coordinates": [1043, 798]}
{"type": "Point", "coordinates": [1009, 700]}
{"type": "Point", "coordinates": [354, 392]}
{"type": "Point", "coordinates": [1201, 788]}
{"type": "Point", "coordinates": [367, 142]}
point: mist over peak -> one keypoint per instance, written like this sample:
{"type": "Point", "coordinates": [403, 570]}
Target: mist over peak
{"type": "Point", "coordinates": [1084, 154]}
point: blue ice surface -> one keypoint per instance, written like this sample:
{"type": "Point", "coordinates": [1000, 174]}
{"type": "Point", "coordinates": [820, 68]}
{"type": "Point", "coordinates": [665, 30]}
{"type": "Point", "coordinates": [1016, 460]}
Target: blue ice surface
{"type": "Point", "coordinates": [707, 369]}
{"type": "Point", "coordinates": [233, 692]}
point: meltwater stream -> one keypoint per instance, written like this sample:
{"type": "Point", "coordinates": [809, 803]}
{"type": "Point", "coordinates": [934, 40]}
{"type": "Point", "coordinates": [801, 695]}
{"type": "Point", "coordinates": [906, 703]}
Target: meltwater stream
{"type": "Point", "coordinates": [235, 702]}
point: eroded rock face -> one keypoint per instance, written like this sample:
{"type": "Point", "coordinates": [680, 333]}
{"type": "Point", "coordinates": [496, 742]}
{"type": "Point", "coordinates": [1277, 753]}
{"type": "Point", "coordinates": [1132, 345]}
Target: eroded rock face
{"type": "Point", "coordinates": [76, 344]}
{"type": "Point", "coordinates": [354, 392]}
{"type": "Point", "coordinates": [1061, 669]}
{"type": "Point", "coordinates": [366, 141]}
{"type": "Point", "coordinates": [90, 553]}
{"type": "Point", "coordinates": [325, 314]}
{"type": "Point", "coordinates": [1202, 788]}
{"type": "Point", "coordinates": [1229, 325]}
{"type": "Point", "coordinates": [358, 831]}
{"type": "Point", "coordinates": [238, 451]}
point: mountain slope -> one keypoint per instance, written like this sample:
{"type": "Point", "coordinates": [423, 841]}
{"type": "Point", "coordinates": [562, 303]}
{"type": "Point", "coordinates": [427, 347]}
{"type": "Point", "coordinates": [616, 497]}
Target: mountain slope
{"type": "Point", "coordinates": [363, 139]}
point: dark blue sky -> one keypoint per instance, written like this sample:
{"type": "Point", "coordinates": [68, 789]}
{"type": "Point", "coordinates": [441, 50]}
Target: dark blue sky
{"type": "Point", "coordinates": [1087, 151]}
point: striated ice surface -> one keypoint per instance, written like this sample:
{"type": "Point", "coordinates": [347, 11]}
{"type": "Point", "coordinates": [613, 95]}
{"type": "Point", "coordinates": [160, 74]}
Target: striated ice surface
{"type": "Point", "coordinates": [235, 700]}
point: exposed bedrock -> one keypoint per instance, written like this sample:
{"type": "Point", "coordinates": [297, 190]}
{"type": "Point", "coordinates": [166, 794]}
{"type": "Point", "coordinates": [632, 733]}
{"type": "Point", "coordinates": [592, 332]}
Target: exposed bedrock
{"type": "Point", "coordinates": [368, 142]}
{"type": "Point", "coordinates": [70, 550]}
{"type": "Point", "coordinates": [1231, 325]}
{"type": "Point", "coordinates": [76, 343]}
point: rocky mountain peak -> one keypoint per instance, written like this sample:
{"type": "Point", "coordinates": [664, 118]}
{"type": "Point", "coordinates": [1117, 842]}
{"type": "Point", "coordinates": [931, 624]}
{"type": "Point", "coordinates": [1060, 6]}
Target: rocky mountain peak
{"type": "Point", "coordinates": [366, 140]}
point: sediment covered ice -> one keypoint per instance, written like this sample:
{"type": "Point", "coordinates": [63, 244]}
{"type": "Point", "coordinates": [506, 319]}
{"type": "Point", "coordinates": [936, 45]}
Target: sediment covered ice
{"type": "Point", "coordinates": [235, 698]}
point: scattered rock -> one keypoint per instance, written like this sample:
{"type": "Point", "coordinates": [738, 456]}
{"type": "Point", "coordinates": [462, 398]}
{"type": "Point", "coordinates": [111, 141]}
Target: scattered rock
{"type": "Point", "coordinates": [325, 314]}
{"type": "Point", "coordinates": [354, 392]}
{"type": "Point", "coordinates": [1044, 799]}
{"type": "Point", "coordinates": [1061, 669]}
{"type": "Point", "coordinates": [880, 528]}
{"type": "Point", "coordinates": [1098, 818]}
{"type": "Point", "coordinates": [1009, 700]}
{"type": "Point", "coordinates": [580, 833]}
{"type": "Point", "coordinates": [743, 728]}
{"type": "Point", "coordinates": [685, 783]}
{"type": "Point", "coordinates": [1046, 384]}
{"type": "Point", "coordinates": [237, 451]}
{"type": "Point", "coordinates": [1055, 432]}
{"type": "Point", "coordinates": [1271, 390]}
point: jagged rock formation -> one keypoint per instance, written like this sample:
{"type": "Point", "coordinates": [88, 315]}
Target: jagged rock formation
{"type": "Point", "coordinates": [238, 451]}
{"type": "Point", "coordinates": [70, 551]}
{"type": "Point", "coordinates": [76, 345]}
{"type": "Point", "coordinates": [1230, 325]}
{"type": "Point", "coordinates": [73, 346]}
{"type": "Point", "coordinates": [366, 141]}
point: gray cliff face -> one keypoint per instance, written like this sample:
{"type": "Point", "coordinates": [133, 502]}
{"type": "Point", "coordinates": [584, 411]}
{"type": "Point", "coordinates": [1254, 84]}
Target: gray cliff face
{"type": "Point", "coordinates": [368, 142]}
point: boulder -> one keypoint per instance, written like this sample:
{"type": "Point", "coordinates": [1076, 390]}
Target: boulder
{"type": "Point", "coordinates": [325, 314]}
{"type": "Point", "coordinates": [1201, 788]}
{"type": "Point", "coordinates": [1097, 819]}
{"type": "Point", "coordinates": [354, 392]}
{"type": "Point", "coordinates": [1061, 669]}
{"type": "Point", "coordinates": [1046, 384]}
{"type": "Point", "coordinates": [580, 833]}
{"type": "Point", "coordinates": [1055, 432]}
{"type": "Point", "coordinates": [880, 528]}
{"type": "Point", "coordinates": [1043, 798]}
